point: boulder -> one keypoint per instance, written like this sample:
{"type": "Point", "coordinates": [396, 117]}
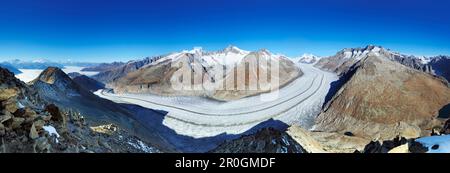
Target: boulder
{"type": "Point", "coordinates": [6, 117]}
{"type": "Point", "coordinates": [30, 113]}
{"type": "Point", "coordinates": [19, 113]}
{"type": "Point", "coordinates": [17, 122]}
{"type": "Point", "coordinates": [390, 144]}
{"type": "Point", "coordinates": [435, 147]}
{"type": "Point", "coordinates": [38, 124]}
{"type": "Point", "coordinates": [417, 147]}
{"type": "Point", "coordinates": [7, 93]}
{"type": "Point", "coordinates": [305, 139]}
{"type": "Point", "coordinates": [46, 117]}
{"type": "Point", "coordinates": [55, 113]}
{"type": "Point", "coordinates": [10, 106]}
{"type": "Point", "coordinates": [373, 147]}
{"type": "Point", "coordinates": [2, 129]}
{"type": "Point", "coordinates": [400, 149]}
{"type": "Point", "coordinates": [349, 134]}
{"type": "Point", "coordinates": [385, 146]}
{"type": "Point", "coordinates": [446, 128]}
{"type": "Point", "coordinates": [41, 145]}
{"type": "Point", "coordinates": [33, 132]}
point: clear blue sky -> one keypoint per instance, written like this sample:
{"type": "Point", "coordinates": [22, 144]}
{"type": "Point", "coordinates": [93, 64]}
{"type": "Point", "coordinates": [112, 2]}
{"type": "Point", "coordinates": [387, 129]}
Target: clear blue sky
{"type": "Point", "coordinates": [108, 30]}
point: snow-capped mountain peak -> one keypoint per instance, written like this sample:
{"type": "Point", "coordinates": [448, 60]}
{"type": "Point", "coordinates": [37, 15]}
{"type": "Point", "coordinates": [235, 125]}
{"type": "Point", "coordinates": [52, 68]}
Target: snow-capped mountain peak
{"type": "Point", "coordinates": [234, 49]}
{"type": "Point", "coordinates": [359, 53]}
{"type": "Point", "coordinates": [40, 60]}
{"type": "Point", "coordinates": [195, 50]}
{"type": "Point", "coordinates": [308, 58]}
{"type": "Point", "coordinates": [424, 60]}
{"type": "Point", "coordinates": [265, 52]}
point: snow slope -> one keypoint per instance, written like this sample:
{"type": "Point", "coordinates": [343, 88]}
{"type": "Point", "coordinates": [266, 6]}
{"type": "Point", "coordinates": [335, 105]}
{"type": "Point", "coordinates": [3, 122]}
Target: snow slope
{"type": "Point", "coordinates": [297, 103]}
{"type": "Point", "coordinates": [442, 141]}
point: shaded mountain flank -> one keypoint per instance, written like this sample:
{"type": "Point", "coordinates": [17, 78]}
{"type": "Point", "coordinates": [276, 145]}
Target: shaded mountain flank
{"type": "Point", "coordinates": [104, 67]}
{"type": "Point", "coordinates": [441, 66]}
{"type": "Point", "coordinates": [88, 83]}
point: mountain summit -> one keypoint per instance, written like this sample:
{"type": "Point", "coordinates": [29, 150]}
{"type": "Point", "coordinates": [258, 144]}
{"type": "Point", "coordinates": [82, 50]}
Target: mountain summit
{"type": "Point", "coordinates": [208, 70]}
{"type": "Point", "coordinates": [344, 59]}
{"type": "Point", "coordinates": [382, 98]}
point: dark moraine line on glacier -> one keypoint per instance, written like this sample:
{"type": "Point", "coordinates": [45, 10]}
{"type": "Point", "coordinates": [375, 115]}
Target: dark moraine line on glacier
{"type": "Point", "coordinates": [248, 122]}
{"type": "Point", "coordinates": [224, 114]}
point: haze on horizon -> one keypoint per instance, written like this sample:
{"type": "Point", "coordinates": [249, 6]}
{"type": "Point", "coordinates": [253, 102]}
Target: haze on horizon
{"type": "Point", "coordinates": [105, 31]}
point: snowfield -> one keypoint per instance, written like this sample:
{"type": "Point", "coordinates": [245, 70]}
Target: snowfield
{"type": "Point", "coordinates": [28, 75]}
{"type": "Point", "coordinates": [296, 103]}
{"type": "Point", "coordinates": [441, 142]}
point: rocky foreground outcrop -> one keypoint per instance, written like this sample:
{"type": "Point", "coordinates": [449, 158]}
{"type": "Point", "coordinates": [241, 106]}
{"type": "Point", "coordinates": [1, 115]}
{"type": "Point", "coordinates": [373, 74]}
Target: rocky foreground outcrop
{"type": "Point", "coordinates": [267, 140]}
{"type": "Point", "coordinates": [28, 124]}
{"type": "Point", "coordinates": [383, 99]}
{"type": "Point", "coordinates": [327, 142]}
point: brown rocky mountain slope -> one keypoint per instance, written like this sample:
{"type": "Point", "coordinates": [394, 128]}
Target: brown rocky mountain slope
{"type": "Point", "coordinates": [28, 124]}
{"type": "Point", "coordinates": [346, 58]}
{"type": "Point", "coordinates": [167, 75]}
{"type": "Point", "coordinates": [383, 99]}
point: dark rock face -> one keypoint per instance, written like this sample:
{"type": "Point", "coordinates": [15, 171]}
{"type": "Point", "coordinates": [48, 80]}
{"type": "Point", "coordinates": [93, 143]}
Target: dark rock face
{"type": "Point", "coordinates": [435, 147]}
{"type": "Point", "coordinates": [416, 147]}
{"type": "Point", "coordinates": [373, 147]}
{"type": "Point", "coordinates": [349, 134]}
{"type": "Point", "coordinates": [88, 83]}
{"type": "Point", "coordinates": [54, 112]}
{"type": "Point", "coordinates": [446, 128]}
{"type": "Point", "coordinates": [441, 66]}
{"type": "Point", "coordinates": [389, 145]}
{"type": "Point", "coordinates": [267, 140]}
{"type": "Point", "coordinates": [385, 146]}
{"type": "Point", "coordinates": [73, 74]}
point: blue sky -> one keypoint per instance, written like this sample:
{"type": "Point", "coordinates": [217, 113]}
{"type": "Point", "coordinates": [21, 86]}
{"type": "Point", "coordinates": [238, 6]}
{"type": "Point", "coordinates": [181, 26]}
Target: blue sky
{"type": "Point", "coordinates": [109, 30]}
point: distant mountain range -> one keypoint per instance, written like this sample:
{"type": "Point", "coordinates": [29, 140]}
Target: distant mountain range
{"type": "Point", "coordinates": [155, 75]}
{"type": "Point", "coordinates": [441, 66]}
{"type": "Point", "coordinates": [103, 67]}
{"type": "Point", "coordinates": [308, 58]}
{"type": "Point", "coordinates": [36, 64]}
{"type": "Point", "coordinates": [381, 95]}
{"type": "Point", "coordinates": [43, 64]}
{"type": "Point", "coordinates": [10, 68]}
